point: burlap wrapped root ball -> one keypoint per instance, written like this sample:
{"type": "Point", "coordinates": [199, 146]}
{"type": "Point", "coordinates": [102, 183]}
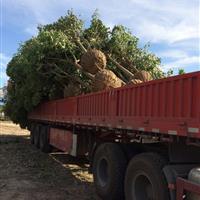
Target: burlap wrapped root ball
{"type": "Point", "coordinates": [93, 61]}
{"type": "Point", "coordinates": [134, 81]}
{"type": "Point", "coordinates": [143, 75]}
{"type": "Point", "coordinates": [72, 89]}
{"type": "Point", "coordinates": [106, 79]}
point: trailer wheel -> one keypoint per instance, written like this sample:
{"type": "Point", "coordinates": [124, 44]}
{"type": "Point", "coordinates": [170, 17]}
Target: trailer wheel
{"type": "Point", "coordinates": [44, 141]}
{"type": "Point", "coordinates": [37, 136]}
{"type": "Point", "coordinates": [144, 178]}
{"type": "Point", "coordinates": [109, 167]}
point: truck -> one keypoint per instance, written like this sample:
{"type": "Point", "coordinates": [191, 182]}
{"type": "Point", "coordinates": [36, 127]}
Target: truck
{"type": "Point", "coordinates": [142, 141]}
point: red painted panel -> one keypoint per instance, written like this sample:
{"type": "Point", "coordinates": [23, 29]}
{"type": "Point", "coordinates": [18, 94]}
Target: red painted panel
{"type": "Point", "coordinates": [61, 139]}
{"type": "Point", "coordinates": [166, 104]}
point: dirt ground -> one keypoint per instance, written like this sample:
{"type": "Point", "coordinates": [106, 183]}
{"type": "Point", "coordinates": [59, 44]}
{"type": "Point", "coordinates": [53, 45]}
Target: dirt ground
{"type": "Point", "coordinates": [28, 174]}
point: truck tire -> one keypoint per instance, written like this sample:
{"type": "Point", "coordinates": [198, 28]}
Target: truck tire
{"type": "Point", "coordinates": [144, 178]}
{"type": "Point", "coordinates": [44, 140]}
{"type": "Point", "coordinates": [109, 167]}
{"type": "Point", "coordinates": [37, 136]}
{"type": "Point", "coordinates": [194, 176]}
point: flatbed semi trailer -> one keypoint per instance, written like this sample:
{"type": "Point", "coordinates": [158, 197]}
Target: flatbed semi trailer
{"type": "Point", "coordinates": [142, 141]}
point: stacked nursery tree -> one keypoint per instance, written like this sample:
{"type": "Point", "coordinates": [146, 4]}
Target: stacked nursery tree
{"type": "Point", "coordinates": [65, 59]}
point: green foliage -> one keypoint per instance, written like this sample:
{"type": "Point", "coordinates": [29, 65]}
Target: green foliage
{"type": "Point", "coordinates": [181, 71]}
{"type": "Point", "coordinates": [1, 108]}
{"type": "Point", "coordinates": [170, 72]}
{"type": "Point", "coordinates": [123, 46]}
{"type": "Point", "coordinates": [43, 65]}
{"type": "Point", "coordinates": [97, 35]}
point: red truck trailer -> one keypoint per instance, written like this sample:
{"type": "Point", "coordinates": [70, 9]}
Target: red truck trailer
{"type": "Point", "coordinates": [142, 141]}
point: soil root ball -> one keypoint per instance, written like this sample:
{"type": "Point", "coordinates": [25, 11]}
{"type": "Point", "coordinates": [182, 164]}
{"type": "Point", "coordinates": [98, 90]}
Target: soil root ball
{"type": "Point", "coordinates": [143, 75]}
{"type": "Point", "coordinates": [93, 61]}
{"type": "Point", "coordinates": [135, 81]}
{"type": "Point", "coordinates": [106, 79]}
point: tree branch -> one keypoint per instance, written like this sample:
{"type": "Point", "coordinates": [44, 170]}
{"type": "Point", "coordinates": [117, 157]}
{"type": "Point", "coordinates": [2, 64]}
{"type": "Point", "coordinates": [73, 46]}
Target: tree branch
{"type": "Point", "coordinates": [127, 72]}
{"type": "Point", "coordinates": [75, 64]}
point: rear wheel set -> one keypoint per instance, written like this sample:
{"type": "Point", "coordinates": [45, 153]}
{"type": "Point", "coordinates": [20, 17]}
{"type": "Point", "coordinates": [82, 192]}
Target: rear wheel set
{"type": "Point", "coordinates": [36, 138]}
{"type": "Point", "coordinates": [142, 180]}
{"type": "Point", "coordinates": [44, 140]}
{"type": "Point", "coordinates": [109, 166]}
{"type": "Point", "coordinates": [145, 179]}
{"type": "Point", "coordinates": [40, 137]}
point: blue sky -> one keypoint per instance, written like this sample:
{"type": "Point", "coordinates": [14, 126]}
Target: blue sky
{"type": "Point", "coordinates": [171, 26]}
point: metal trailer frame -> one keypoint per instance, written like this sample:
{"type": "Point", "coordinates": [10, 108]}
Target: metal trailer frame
{"type": "Point", "coordinates": [183, 185]}
{"type": "Point", "coordinates": [167, 106]}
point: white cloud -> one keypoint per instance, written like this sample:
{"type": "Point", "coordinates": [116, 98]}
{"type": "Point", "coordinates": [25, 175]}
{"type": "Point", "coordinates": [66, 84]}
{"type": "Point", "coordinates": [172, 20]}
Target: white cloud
{"type": "Point", "coordinates": [4, 59]}
{"type": "Point", "coordinates": [153, 20]}
{"type": "Point", "coordinates": [187, 45]}
{"type": "Point", "coordinates": [32, 30]}
{"type": "Point", "coordinates": [184, 62]}
{"type": "Point", "coordinates": [156, 32]}
{"type": "Point", "coordinates": [4, 78]}
{"type": "Point", "coordinates": [167, 21]}
{"type": "Point", "coordinates": [172, 54]}
{"type": "Point", "coordinates": [40, 10]}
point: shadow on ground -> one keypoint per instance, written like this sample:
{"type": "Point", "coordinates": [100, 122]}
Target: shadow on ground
{"type": "Point", "coordinates": [28, 174]}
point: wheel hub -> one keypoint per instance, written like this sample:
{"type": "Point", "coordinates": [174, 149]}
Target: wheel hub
{"type": "Point", "coordinates": [142, 188]}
